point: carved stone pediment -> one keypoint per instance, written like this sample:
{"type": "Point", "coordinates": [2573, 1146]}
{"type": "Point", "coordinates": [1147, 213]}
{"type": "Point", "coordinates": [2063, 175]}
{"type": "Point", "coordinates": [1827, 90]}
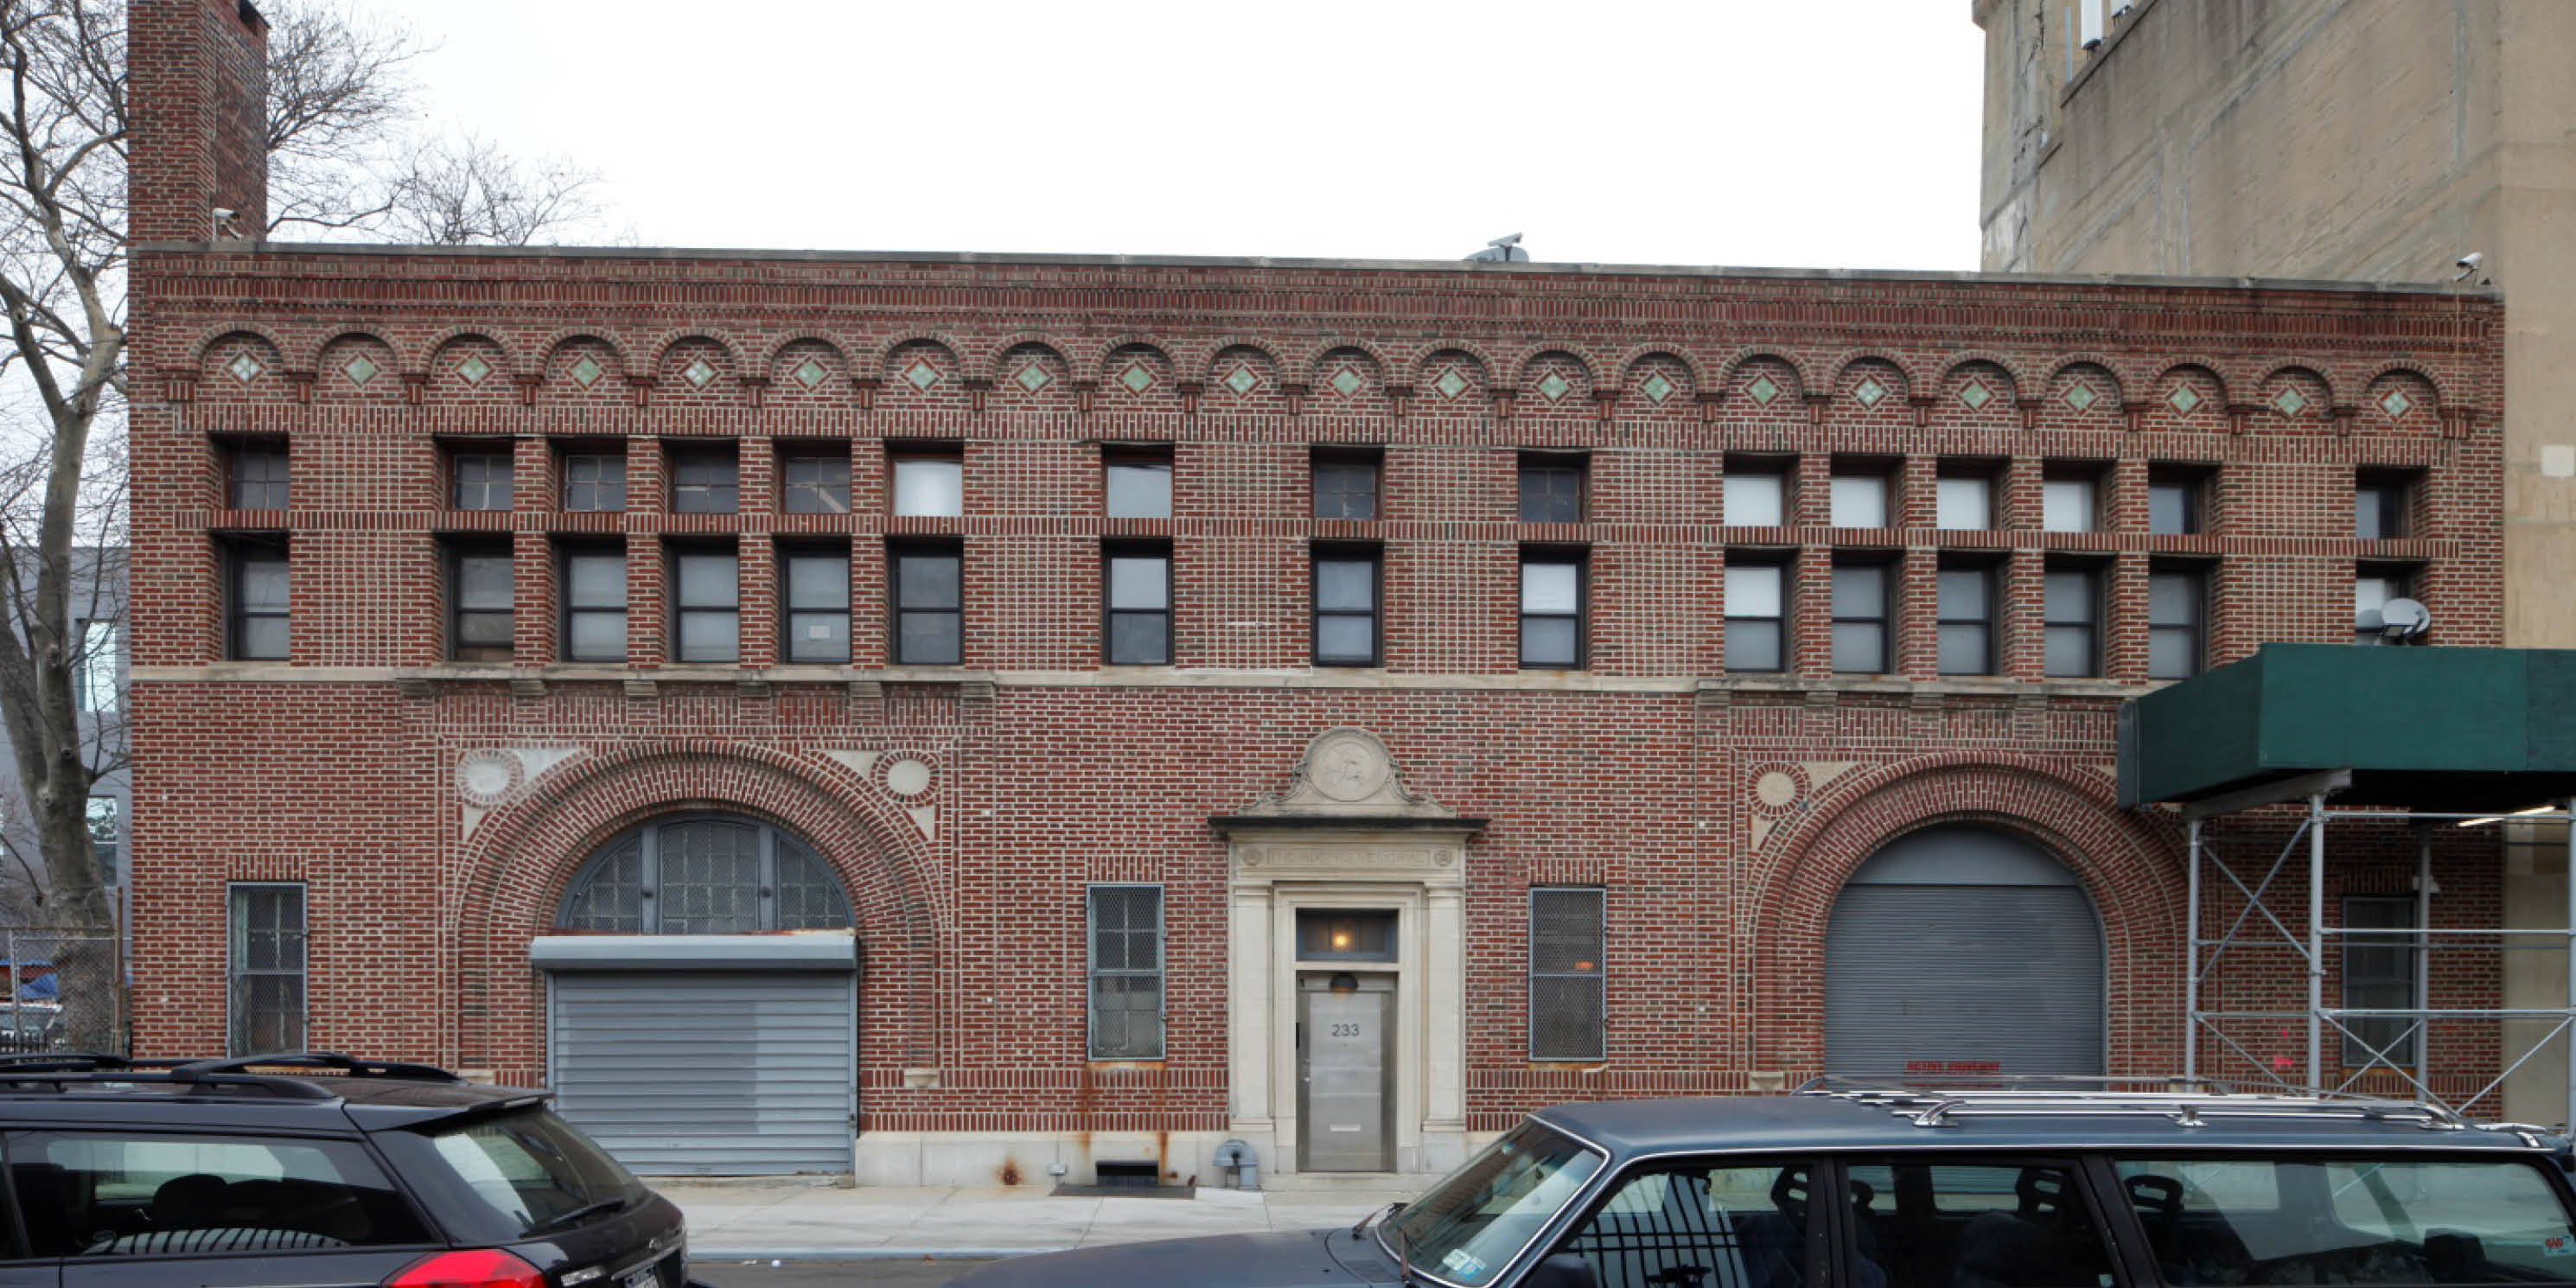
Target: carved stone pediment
{"type": "Point", "coordinates": [1346, 773]}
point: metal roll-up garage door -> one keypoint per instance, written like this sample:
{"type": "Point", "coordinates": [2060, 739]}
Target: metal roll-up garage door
{"type": "Point", "coordinates": [722, 1072]}
{"type": "Point", "coordinates": [1962, 951]}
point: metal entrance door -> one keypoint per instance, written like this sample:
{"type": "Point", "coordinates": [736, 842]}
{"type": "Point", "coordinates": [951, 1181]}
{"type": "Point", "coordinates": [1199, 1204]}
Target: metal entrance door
{"type": "Point", "coordinates": [1345, 1082]}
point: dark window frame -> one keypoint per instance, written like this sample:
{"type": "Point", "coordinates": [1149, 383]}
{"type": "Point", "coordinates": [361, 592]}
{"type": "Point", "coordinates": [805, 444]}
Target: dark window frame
{"type": "Point", "coordinates": [569, 609]}
{"type": "Point", "coordinates": [718, 494]}
{"type": "Point", "coordinates": [237, 975]}
{"type": "Point", "coordinates": [2406, 942]}
{"type": "Point", "coordinates": [1110, 613]}
{"type": "Point", "coordinates": [1375, 558]}
{"type": "Point", "coordinates": [462, 456]}
{"type": "Point", "coordinates": [790, 488]}
{"type": "Point", "coordinates": [2096, 580]}
{"type": "Point", "coordinates": [2194, 486]}
{"type": "Point", "coordinates": [250, 489]}
{"type": "Point", "coordinates": [767, 915]}
{"type": "Point", "coordinates": [896, 553]}
{"type": "Point", "coordinates": [787, 554]}
{"type": "Point", "coordinates": [2094, 476]}
{"type": "Point", "coordinates": [458, 550]}
{"type": "Point", "coordinates": [1985, 473]}
{"type": "Point", "coordinates": [1580, 560]}
{"type": "Point", "coordinates": [1094, 973]}
{"type": "Point", "coordinates": [1552, 468]}
{"type": "Point", "coordinates": [2198, 628]}
{"type": "Point", "coordinates": [240, 551]}
{"type": "Point", "coordinates": [609, 485]}
{"type": "Point", "coordinates": [1885, 620]}
{"type": "Point", "coordinates": [1778, 623]}
{"type": "Point", "coordinates": [1992, 576]}
{"type": "Point", "coordinates": [1370, 461]}
{"type": "Point", "coordinates": [1152, 458]}
{"type": "Point", "coordinates": [1598, 974]}
{"type": "Point", "coordinates": [675, 557]}
{"type": "Point", "coordinates": [2397, 490]}
{"type": "Point", "coordinates": [1782, 471]}
{"type": "Point", "coordinates": [1887, 474]}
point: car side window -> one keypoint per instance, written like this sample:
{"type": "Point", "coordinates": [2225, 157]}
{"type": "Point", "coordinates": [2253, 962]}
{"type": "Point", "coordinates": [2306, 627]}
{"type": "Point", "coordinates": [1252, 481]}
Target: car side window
{"type": "Point", "coordinates": [112, 1194]}
{"type": "Point", "coordinates": [1704, 1222]}
{"type": "Point", "coordinates": [1921, 1224]}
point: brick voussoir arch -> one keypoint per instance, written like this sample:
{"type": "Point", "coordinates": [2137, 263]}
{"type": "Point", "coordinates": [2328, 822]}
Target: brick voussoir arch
{"type": "Point", "coordinates": [1417, 369]}
{"type": "Point", "coordinates": [525, 855]}
{"type": "Point", "coordinates": [313, 361]}
{"type": "Point", "coordinates": [436, 346]}
{"type": "Point", "coordinates": [2131, 867]}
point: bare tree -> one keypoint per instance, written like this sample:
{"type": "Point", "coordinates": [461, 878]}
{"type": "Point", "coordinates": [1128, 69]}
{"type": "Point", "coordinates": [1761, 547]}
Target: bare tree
{"type": "Point", "coordinates": [338, 106]}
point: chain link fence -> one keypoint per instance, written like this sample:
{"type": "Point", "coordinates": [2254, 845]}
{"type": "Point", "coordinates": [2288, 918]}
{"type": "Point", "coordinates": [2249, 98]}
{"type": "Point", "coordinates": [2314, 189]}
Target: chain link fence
{"type": "Point", "coordinates": [65, 992]}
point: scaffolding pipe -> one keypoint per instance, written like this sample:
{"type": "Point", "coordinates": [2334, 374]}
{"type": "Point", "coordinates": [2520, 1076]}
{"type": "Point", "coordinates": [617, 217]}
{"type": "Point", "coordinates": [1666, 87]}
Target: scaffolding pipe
{"type": "Point", "coordinates": [2191, 972]}
{"type": "Point", "coordinates": [2423, 953]}
{"type": "Point", "coordinates": [2317, 941]}
{"type": "Point", "coordinates": [2570, 1123]}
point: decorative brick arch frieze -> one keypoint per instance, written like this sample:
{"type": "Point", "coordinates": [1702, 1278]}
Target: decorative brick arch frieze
{"type": "Point", "coordinates": [1216, 347]}
{"type": "Point", "coordinates": [2131, 866]}
{"type": "Point", "coordinates": [1418, 370]}
{"type": "Point", "coordinates": [1801, 366]}
{"type": "Point", "coordinates": [524, 855]}
{"type": "Point", "coordinates": [2016, 369]}
{"type": "Point", "coordinates": [512, 362]}
{"type": "Point", "coordinates": [323, 340]}
{"type": "Point", "coordinates": [2429, 373]}
{"type": "Point", "coordinates": [1624, 366]}
{"type": "Point", "coordinates": [206, 345]}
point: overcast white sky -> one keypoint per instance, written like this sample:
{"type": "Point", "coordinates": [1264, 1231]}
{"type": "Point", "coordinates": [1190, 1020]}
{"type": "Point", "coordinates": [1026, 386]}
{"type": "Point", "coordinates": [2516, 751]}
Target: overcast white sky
{"type": "Point", "coordinates": [1807, 133]}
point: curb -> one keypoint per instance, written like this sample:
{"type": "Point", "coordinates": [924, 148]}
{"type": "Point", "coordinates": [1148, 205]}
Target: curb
{"type": "Point", "coordinates": [697, 1254]}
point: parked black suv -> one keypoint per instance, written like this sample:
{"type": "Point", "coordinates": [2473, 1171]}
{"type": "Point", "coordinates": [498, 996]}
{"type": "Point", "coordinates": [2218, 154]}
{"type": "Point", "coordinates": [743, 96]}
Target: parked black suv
{"type": "Point", "coordinates": [310, 1171]}
{"type": "Point", "coordinates": [1840, 1186]}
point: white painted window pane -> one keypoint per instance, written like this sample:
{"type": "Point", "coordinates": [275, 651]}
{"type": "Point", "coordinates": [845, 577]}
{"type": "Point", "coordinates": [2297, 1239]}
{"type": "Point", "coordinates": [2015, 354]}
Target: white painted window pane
{"type": "Point", "coordinates": [929, 487]}
{"type": "Point", "coordinates": [1756, 500]}
{"type": "Point", "coordinates": [1965, 504]}
{"type": "Point", "coordinates": [1139, 582]}
{"type": "Point", "coordinates": [1754, 590]}
{"type": "Point", "coordinates": [1860, 501]}
{"type": "Point", "coordinates": [2066, 505]}
{"type": "Point", "coordinates": [1551, 588]}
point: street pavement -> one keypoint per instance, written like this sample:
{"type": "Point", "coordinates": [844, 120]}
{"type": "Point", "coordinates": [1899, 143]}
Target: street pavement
{"type": "Point", "coordinates": [829, 1274]}
{"type": "Point", "coordinates": [796, 1221]}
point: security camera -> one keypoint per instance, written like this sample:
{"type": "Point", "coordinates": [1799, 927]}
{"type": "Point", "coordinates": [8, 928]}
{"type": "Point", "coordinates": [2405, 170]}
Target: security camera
{"type": "Point", "coordinates": [225, 215]}
{"type": "Point", "coordinates": [2469, 265]}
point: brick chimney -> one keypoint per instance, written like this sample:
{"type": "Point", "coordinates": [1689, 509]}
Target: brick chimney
{"type": "Point", "coordinates": [196, 101]}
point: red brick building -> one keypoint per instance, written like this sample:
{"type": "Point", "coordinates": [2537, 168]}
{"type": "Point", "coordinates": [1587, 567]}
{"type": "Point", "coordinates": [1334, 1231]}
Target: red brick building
{"type": "Point", "coordinates": [1064, 709]}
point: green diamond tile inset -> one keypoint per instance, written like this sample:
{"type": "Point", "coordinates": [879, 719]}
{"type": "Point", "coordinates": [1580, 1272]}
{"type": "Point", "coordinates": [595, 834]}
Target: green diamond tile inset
{"type": "Point", "coordinates": [1347, 382]}
{"type": "Point", "coordinates": [1870, 392]}
{"type": "Point", "coordinates": [1452, 383]}
{"type": "Point", "coordinates": [920, 374]}
{"type": "Point", "coordinates": [1656, 388]}
{"type": "Point", "coordinates": [1033, 377]}
{"type": "Point", "coordinates": [2183, 399]}
{"type": "Point", "coordinates": [1136, 378]}
{"type": "Point", "coordinates": [586, 371]}
{"type": "Point", "coordinates": [244, 367]}
{"type": "Point", "coordinates": [473, 369]}
{"type": "Point", "coordinates": [699, 373]}
{"type": "Point", "coordinates": [810, 373]}
{"type": "Point", "coordinates": [1242, 379]}
{"type": "Point", "coordinates": [2080, 396]}
{"type": "Point", "coordinates": [1555, 386]}
{"type": "Point", "coordinates": [2289, 402]}
{"type": "Point", "coordinates": [1975, 394]}
{"type": "Point", "coordinates": [2396, 403]}
{"type": "Point", "coordinates": [359, 370]}
{"type": "Point", "coordinates": [1763, 389]}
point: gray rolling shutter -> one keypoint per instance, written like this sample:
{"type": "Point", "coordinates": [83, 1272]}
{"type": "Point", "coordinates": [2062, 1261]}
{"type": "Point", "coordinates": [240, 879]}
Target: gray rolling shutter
{"type": "Point", "coordinates": [709, 1073]}
{"type": "Point", "coordinates": [1964, 977]}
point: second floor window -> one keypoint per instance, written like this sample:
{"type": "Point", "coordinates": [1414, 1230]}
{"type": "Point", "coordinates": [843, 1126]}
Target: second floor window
{"type": "Point", "coordinates": [594, 481]}
{"type": "Point", "coordinates": [259, 470]}
{"type": "Point", "coordinates": [594, 600]}
{"type": "Point", "coordinates": [1346, 607]}
{"type": "Point", "coordinates": [1137, 485]}
{"type": "Point", "coordinates": [1345, 487]}
{"type": "Point", "coordinates": [929, 606]}
{"type": "Point", "coordinates": [1966, 617]}
{"type": "Point", "coordinates": [815, 484]}
{"type": "Point", "coordinates": [479, 596]}
{"type": "Point", "coordinates": [260, 600]}
{"type": "Point", "coordinates": [1860, 618]}
{"type": "Point", "coordinates": [818, 604]}
{"type": "Point", "coordinates": [706, 604]}
{"type": "Point", "coordinates": [1756, 617]}
{"type": "Point", "coordinates": [2071, 612]}
{"type": "Point", "coordinates": [2177, 609]}
{"type": "Point", "coordinates": [1552, 611]}
{"type": "Point", "coordinates": [1139, 591]}
{"type": "Point", "coordinates": [706, 481]}
{"type": "Point", "coordinates": [482, 480]}
{"type": "Point", "coordinates": [1552, 489]}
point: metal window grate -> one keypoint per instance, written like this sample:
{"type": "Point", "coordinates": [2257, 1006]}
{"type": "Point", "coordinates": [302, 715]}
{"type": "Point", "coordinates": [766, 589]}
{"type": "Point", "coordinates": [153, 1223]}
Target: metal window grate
{"type": "Point", "coordinates": [1566, 982]}
{"type": "Point", "coordinates": [1126, 933]}
{"type": "Point", "coordinates": [705, 876]}
{"type": "Point", "coordinates": [266, 950]}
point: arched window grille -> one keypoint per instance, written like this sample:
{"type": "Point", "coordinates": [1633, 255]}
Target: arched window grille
{"type": "Point", "coordinates": [704, 875]}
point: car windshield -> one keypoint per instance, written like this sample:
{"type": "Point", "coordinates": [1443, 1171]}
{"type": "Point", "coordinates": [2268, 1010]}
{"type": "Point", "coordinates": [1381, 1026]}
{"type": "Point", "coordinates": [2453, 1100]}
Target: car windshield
{"type": "Point", "coordinates": [1467, 1228]}
{"type": "Point", "coordinates": [2351, 1220]}
{"type": "Point", "coordinates": [532, 1170]}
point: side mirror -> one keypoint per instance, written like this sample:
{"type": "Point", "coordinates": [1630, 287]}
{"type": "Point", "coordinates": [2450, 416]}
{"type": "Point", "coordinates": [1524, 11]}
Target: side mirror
{"type": "Point", "coordinates": [1563, 1270]}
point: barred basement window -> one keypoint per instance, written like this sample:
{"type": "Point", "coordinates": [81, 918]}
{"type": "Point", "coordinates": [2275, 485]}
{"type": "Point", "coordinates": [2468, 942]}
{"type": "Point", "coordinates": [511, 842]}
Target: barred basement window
{"type": "Point", "coordinates": [1565, 981]}
{"type": "Point", "coordinates": [265, 972]}
{"type": "Point", "coordinates": [704, 875]}
{"type": "Point", "coordinates": [1125, 927]}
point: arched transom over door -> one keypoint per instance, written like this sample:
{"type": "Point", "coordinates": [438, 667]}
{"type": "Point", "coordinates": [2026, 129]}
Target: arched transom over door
{"type": "Point", "coordinates": [683, 1031]}
{"type": "Point", "coordinates": [1963, 951]}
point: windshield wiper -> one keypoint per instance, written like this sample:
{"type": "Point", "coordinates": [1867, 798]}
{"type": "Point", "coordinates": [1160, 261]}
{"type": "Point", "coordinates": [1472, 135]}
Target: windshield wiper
{"type": "Point", "coordinates": [1379, 1215]}
{"type": "Point", "coordinates": [580, 1214]}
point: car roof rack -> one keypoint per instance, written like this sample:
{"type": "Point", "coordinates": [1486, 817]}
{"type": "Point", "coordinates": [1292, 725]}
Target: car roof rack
{"type": "Point", "coordinates": [2188, 1102]}
{"type": "Point", "coordinates": [302, 1075]}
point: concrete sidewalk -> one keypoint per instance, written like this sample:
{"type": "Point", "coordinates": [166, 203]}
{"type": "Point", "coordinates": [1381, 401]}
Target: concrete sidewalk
{"type": "Point", "coordinates": [798, 1221]}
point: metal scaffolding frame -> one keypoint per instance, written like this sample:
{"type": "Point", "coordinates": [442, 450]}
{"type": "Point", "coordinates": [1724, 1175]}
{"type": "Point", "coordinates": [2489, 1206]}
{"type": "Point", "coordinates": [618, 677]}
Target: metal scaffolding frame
{"type": "Point", "coordinates": [2207, 953]}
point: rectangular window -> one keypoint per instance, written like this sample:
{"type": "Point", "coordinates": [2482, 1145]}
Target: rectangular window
{"type": "Point", "coordinates": [1346, 608]}
{"type": "Point", "coordinates": [2378, 507]}
{"type": "Point", "coordinates": [479, 480]}
{"type": "Point", "coordinates": [95, 682]}
{"type": "Point", "coordinates": [224, 1192]}
{"type": "Point", "coordinates": [480, 593]}
{"type": "Point", "coordinates": [1757, 598]}
{"type": "Point", "coordinates": [1565, 978]}
{"type": "Point", "coordinates": [1860, 618]}
{"type": "Point", "coordinates": [817, 581]}
{"type": "Point", "coordinates": [1137, 584]}
{"type": "Point", "coordinates": [929, 605]}
{"type": "Point", "coordinates": [706, 604]}
{"type": "Point", "coordinates": [2177, 613]}
{"type": "Point", "coordinates": [1966, 618]}
{"type": "Point", "coordinates": [814, 483]}
{"type": "Point", "coordinates": [1859, 500]}
{"type": "Point", "coordinates": [1937, 1193]}
{"type": "Point", "coordinates": [259, 599]}
{"type": "Point", "coordinates": [266, 968]}
{"type": "Point", "coordinates": [1126, 951]}
{"type": "Point", "coordinates": [930, 485]}
{"type": "Point", "coordinates": [594, 604]}
{"type": "Point", "coordinates": [2379, 975]}
{"type": "Point", "coordinates": [1964, 502]}
{"type": "Point", "coordinates": [1551, 488]}
{"type": "Point", "coordinates": [705, 480]}
{"type": "Point", "coordinates": [1552, 611]}
{"type": "Point", "coordinates": [2069, 503]}
{"type": "Point", "coordinates": [594, 481]}
{"type": "Point", "coordinates": [1756, 497]}
{"type": "Point", "coordinates": [1137, 485]}
{"type": "Point", "coordinates": [259, 469]}
{"type": "Point", "coordinates": [107, 836]}
{"type": "Point", "coordinates": [2071, 613]}
{"type": "Point", "coordinates": [1345, 486]}
{"type": "Point", "coordinates": [2371, 591]}
{"type": "Point", "coordinates": [2174, 504]}
{"type": "Point", "coordinates": [2316, 1219]}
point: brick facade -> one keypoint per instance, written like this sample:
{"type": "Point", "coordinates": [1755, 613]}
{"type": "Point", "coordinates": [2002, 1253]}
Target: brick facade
{"type": "Point", "coordinates": [1721, 811]}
